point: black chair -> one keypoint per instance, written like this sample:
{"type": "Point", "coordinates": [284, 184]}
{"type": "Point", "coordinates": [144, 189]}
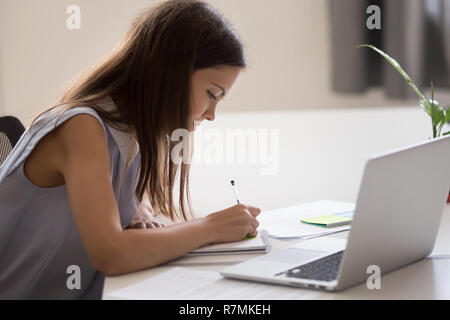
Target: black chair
{"type": "Point", "coordinates": [11, 129]}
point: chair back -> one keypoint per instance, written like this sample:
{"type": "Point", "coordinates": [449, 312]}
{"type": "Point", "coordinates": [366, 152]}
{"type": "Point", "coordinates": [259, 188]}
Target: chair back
{"type": "Point", "coordinates": [11, 129]}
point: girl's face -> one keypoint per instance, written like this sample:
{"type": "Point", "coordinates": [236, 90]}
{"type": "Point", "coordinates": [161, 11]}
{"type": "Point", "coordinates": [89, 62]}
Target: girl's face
{"type": "Point", "coordinates": [209, 87]}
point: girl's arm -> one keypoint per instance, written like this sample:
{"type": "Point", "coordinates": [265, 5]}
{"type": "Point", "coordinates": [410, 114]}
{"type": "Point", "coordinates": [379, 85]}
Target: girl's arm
{"type": "Point", "coordinates": [111, 249]}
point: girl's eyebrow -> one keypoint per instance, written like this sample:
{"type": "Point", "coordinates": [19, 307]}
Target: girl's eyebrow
{"type": "Point", "coordinates": [221, 88]}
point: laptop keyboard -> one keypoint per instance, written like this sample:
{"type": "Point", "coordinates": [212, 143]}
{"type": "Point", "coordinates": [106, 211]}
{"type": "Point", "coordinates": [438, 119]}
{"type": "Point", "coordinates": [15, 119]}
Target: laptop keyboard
{"type": "Point", "coordinates": [323, 269]}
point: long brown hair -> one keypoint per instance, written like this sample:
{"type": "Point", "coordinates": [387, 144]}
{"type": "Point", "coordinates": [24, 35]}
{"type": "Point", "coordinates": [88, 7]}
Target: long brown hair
{"type": "Point", "coordinates": [148, 77]}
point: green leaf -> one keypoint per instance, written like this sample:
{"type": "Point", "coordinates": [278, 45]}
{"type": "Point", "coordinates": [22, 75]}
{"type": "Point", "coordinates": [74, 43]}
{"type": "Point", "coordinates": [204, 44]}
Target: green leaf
{"type": "Point", "coordinates": [397, 66]}
{"type": "Point", "coordinates": [447, 114]}
{"type": "Point", "coordinates": [438, 112]}
{"type": "Point", "coordinates": [447, 133]}
{"type": "Point", "coordinates": [425, 106]}
{"type": "Point", "coordinates": [445, 120]}
{"type": "Point", "coordinates": [437, 116]}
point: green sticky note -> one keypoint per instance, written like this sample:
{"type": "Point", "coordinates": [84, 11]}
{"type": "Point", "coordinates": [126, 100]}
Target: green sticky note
{"type": "Point", "coordinates": [331, 220]}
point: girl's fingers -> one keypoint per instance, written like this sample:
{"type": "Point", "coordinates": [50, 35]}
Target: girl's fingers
{"type": "Point", "coordinates": [253, 234]}
{"type": "Point", "coordinates": [138, 225]}
{"type": "Point", "coordinates": [254, 211]}
{"type": "Point", "coordinates": [150, 225]}
{"type": "Point", "coordinates": [146, 224]}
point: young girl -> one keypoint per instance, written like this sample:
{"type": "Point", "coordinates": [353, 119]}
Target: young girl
{"type": "Point", "coordinates": [79, 191]}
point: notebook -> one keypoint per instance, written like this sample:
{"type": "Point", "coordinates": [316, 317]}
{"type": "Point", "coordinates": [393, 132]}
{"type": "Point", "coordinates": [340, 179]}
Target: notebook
{"type": "Point", "coordinates": [285, 223]}
{"type": "Point", "coordinates": [331, 220]}
{"type": "Point", "coordinates": [259, 243]}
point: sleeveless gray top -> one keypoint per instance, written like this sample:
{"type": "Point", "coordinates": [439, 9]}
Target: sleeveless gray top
{"type": "Point", "coordinates": [38, 237]}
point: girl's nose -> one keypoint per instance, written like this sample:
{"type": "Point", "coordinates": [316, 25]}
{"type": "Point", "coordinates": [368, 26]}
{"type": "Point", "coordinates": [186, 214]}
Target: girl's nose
{"type": "Point", "coordinates": [210, 116]}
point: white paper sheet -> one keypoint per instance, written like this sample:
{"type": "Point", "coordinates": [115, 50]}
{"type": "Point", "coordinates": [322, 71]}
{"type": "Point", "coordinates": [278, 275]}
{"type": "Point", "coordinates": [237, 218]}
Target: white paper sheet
{"type": "Point", "coordinates": [213, 260]}
{"type": "Point", "coordinates": [286, 223]}
{"type": "Point", "coordinates": [188, 284]}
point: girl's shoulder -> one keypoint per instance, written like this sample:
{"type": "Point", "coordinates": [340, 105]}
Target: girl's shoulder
{"type": "Point", "coordinates": [78, 139]}
{"type": "Point", "coordinates": [82, 136]}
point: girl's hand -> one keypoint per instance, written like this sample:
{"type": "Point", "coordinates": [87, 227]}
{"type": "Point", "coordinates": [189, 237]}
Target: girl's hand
{"type": "Point", "coordinates": [235, 223]}
{"type": "Point", "coordinates": [145, 224]}
{"type": "Point", "coordinates": [144, 218]}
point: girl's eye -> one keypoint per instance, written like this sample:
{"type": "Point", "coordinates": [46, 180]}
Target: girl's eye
{"type": "Point", "coordinates": [210, 95]}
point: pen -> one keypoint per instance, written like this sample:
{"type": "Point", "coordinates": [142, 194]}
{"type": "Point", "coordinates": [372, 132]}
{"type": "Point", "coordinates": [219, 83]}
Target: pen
{"type": "Point", "coordinates": [233, 184]}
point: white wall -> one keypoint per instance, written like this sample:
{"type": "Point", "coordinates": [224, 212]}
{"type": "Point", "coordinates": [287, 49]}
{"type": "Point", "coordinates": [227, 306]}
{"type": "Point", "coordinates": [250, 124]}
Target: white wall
{"type": "Point", "coordinates": [287, 42]}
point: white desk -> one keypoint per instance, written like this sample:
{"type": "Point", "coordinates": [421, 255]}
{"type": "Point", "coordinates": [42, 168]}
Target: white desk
{"type": "Point", "coordinates": [321, 156]}
{"type": "Point", "coordinates": [426, 279]}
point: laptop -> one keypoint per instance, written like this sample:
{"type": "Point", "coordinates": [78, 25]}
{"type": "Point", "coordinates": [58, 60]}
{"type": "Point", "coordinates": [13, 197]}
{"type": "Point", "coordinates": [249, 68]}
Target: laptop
{"type": "Point", "coordinates": [397, 216]}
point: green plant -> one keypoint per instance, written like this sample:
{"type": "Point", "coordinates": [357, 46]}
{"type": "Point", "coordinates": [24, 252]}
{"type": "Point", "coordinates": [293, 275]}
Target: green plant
{"type": "Point", "coordinates": [439, 115]}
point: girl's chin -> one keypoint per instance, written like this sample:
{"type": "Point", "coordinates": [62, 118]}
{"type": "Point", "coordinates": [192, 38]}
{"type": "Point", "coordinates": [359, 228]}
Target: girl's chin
{"type": "Point", "coordinates": [192, 126]}
{"type": "Point", "coordinates": [195, 124]}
